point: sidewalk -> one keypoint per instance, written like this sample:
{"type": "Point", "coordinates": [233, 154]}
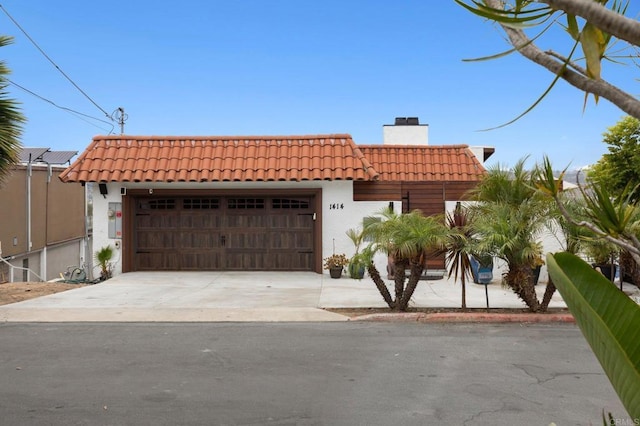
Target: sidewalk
{"type": "Point", "coordinates": [246, 296]}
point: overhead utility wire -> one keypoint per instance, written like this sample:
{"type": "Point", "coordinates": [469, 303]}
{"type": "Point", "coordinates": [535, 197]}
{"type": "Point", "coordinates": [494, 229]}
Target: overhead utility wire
{"type": "Point", "coordinates": [64, 108]}
{"type": "Point", "coordinates": [54, 64]}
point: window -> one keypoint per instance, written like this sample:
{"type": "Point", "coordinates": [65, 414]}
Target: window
{"type": "Point", "coordinates": [245, 203]}
{"type": "Point", "coordinates": [201, 203]}
{"type": "Point", "coordinates": [160, 204]}
{"type": "Point", "coordinates": [286, 203]}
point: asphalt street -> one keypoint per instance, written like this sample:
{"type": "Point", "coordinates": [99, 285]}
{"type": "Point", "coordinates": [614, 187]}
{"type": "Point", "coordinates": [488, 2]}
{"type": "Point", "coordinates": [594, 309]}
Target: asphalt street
{"type": "Point", "coordinates": [300, 374]}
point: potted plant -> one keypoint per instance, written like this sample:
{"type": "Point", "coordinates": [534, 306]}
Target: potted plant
{"type": "Point", "coordinates": [357, 266]}
{"type": "Point", "coordinates": [602, 254]}
{"type": "Point", "coordinates": [481, 268]}
{"type": "Point", "coordinates": [103, 259]}
{"type": "Point", "coordinates": [357, 263]}
{"type": "Point", "coordinates": [335, 264]}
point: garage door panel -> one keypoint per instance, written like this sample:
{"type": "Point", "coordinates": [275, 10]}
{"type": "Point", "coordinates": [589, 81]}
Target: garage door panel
{"type": "Point", "coordinates": [217, 233]}
{"type": "Point", "coordinates": [200, 260]}
{"type": "Point", "coordinates": [200, 221]}
{"type": "Point", "coordinates": [200, 239]}
{"type": "Point", "coordinates": [303, 242]}
{"type": "Point", "coordinates": [296, 220]}
{"type": "Point", "coordinates": [157, 220]}
{"type": "Point", "coordinates": [287, 261]}
{"type": "Point", "coordinates": [252, 240]}
{"type": "Point", "coordinates": [241, 260]}
{"type": "Point", "coordinates": [246, 221]}
{"type": "Point", "coordinates": [156, 240]}
{"type": "Point", "coordinates": [157, 260]}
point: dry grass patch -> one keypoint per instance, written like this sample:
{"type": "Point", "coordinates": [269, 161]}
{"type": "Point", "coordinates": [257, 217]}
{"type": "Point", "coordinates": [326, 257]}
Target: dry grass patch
{"type": "Point", "coordinates": [20, 291]}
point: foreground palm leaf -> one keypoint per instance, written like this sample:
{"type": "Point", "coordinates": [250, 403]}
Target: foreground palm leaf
{"type": "Point", "coordinates": [609, 320]}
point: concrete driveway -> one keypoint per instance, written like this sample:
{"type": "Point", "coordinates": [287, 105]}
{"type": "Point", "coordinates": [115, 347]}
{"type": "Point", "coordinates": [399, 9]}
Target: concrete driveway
{"type": "Point", "coordinates": [238, 296]}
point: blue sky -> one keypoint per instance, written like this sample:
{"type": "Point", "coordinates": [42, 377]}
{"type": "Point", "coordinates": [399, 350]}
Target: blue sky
{"type": "Point", "coordinates": [284, 67]}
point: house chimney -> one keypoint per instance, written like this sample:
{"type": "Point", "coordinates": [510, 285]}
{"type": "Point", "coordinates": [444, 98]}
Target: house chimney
{"type": "Point", "coordinates": [405, 131]}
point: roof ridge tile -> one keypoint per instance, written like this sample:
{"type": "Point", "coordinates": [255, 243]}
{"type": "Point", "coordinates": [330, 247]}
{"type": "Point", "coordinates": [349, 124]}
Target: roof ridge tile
{"type": "Point", "coordinates": [259, 158]}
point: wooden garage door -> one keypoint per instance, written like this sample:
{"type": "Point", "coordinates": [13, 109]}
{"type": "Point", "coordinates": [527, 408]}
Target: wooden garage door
{"type": "Point", "coordinates": [223, 233]}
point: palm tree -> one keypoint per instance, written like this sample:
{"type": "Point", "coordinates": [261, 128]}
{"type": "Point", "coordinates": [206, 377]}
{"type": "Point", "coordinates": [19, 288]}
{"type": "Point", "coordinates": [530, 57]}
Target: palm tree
{"type": "Point", "coordinates": [510, 216]}
{"type": "Point", "coordinates": [574, 236]}
{"type": "Point", "coordinates": [407, 239]}
{"type": "Point", "coordinates": [11, 120]}
{"type": "Point", "coordinates": [103, 259]}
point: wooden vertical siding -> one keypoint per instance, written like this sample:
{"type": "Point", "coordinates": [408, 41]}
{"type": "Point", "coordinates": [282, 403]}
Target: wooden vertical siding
{"type": "Point", "coordinates": [377, 191]}
{"type": "Point", "coordinates": [428, 197]}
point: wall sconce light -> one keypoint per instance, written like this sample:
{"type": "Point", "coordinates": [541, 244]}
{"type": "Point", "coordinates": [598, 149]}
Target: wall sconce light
{"type": "Point", "coordinates": [103, 189]}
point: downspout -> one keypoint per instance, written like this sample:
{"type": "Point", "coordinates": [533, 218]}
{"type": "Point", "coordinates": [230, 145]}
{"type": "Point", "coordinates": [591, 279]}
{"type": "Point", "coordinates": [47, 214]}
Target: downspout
{"type": "Point", "coordinates": [29, 173]}
{"type": "Point", "coordinates": [43, 258]}
{"type": "Point", "coordinates": [85, 250]}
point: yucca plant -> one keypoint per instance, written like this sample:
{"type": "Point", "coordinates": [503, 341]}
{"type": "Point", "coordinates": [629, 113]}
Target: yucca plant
{"type": "Point", "coordinates": [459, 247]}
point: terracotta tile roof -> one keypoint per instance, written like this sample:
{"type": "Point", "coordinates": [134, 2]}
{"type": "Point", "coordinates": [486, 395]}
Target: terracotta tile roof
{"type": "Point", "coordinates": [424, 163]}
{"type": "Point", "coordinates": [215, 159]}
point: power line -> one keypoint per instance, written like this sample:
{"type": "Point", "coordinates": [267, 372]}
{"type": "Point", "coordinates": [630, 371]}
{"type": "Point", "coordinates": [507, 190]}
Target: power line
{"type": "Point", "coordinates": [80, 114]}
{"type": "Point", "coordinates": [54, 64]}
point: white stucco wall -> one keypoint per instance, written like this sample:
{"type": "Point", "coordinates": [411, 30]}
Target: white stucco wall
{"type": "Point", "coordinates": [339, 212]}
{"type": "Point", "coordinates": [101, 224]}
{"type": "Point", "coordinates": [347, 214]}
{"type": "Point", "coordinates": [405, 134]}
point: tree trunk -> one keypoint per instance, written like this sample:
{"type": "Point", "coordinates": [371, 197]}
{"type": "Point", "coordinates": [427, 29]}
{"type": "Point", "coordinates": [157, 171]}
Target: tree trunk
{"type": "Point", "coordinates": [629, 270]}
{"type": "Point", "coordinates": [414, 278]}
{"type": "Point", "coordinates": [380, 285]}
{"type": "Point", "coordinates": [519, 279]}
{"type": "Point", "coordinates": [548, 293]}
{"type": "Point", "coordinates": [464, 291]}
{"type": "Point", "coordinates": [399, 277]}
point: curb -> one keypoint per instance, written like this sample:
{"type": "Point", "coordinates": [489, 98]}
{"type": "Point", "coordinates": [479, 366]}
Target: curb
{"type": "Point", "coordinates": [472, 317]}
